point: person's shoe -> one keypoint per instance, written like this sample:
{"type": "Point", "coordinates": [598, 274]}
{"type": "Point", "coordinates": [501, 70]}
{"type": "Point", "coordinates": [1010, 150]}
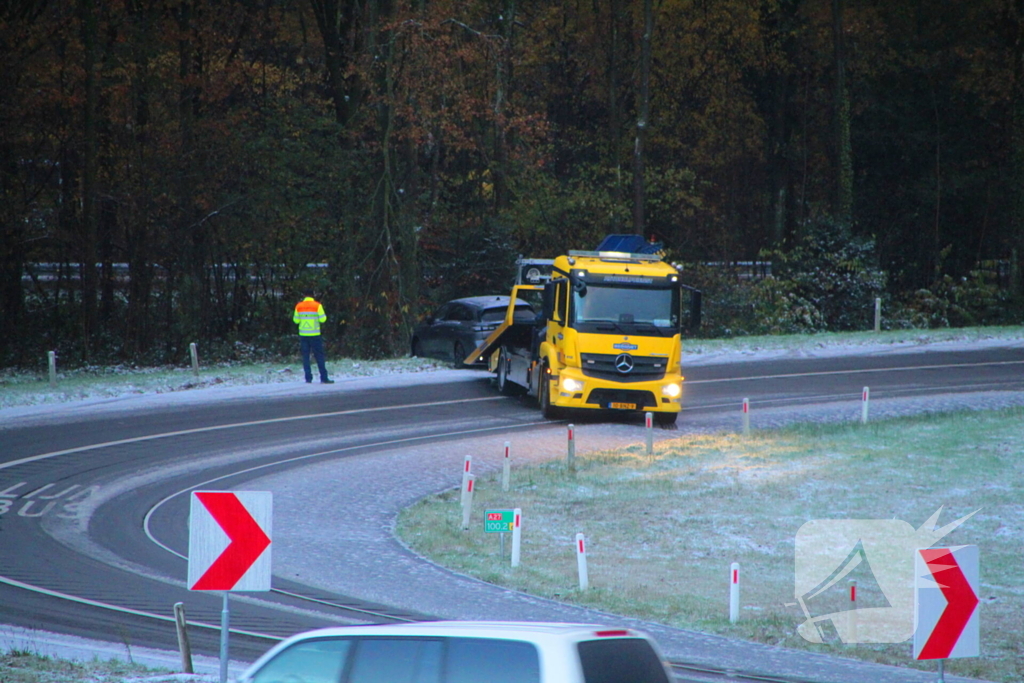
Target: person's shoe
{"type": "Point", "coordinates": [309, 381]}
{"type": "Point", "coordinates": [327, 381]}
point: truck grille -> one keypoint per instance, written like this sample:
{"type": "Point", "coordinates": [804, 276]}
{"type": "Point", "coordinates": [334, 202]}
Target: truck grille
{"type": "Point", "coordinates": [604, 366]}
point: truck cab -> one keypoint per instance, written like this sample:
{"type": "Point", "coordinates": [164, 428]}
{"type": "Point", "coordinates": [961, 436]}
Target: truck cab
{"type": "Point", "coordinates": [608, 337]}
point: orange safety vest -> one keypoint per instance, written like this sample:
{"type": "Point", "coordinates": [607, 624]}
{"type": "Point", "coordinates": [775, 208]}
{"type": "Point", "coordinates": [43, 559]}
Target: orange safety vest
{"type": "Point", "coordinates": [309, 315]}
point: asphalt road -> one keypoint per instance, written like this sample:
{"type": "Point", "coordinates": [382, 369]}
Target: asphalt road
{"type": "Point", "coordinates": [93, 510]}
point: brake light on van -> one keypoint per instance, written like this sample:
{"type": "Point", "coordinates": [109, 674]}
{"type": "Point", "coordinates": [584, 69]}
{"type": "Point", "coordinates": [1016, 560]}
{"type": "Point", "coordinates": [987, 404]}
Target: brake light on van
{"type": "Point", "coordinates": [618, 633]}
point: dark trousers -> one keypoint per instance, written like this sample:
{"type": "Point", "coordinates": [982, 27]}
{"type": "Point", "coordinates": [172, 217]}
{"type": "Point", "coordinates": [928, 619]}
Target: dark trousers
{"type": "Point", "coordinates": [316, 345]}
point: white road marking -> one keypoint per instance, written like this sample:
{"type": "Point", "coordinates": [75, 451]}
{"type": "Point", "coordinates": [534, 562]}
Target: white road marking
{"type": "Point", "coordinates": [391, 442]}
{"type": "Point", "coordinates": [122, 610]}
{"type": "Point", "coordinates": [852, 372]}
{"type": "Point", "coordinates": [235, 425]}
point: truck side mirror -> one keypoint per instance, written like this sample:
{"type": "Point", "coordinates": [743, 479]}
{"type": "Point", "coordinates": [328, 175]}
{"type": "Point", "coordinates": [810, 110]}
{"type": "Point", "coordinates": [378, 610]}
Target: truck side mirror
{"type": "Point", "coordinates": [548, 301]}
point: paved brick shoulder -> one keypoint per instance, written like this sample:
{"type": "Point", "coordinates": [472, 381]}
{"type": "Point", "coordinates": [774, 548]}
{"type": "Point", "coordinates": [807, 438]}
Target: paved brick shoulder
{"type": "Point", "coordinates": [334, 528]}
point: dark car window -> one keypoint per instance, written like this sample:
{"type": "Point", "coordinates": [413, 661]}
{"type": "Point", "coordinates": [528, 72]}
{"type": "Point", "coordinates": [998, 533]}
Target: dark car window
{"type": "Point", "coordinates": [310, 661]}
{"type": "Point", "coordinates": [479, 660]}
{"type": "Point", "coordinates": [442, 313]}
{"type": "Point", "coordinates": [460, 313]}
{"type": "Point", "coordinates": [396, 660]}
{"type": "Point", "coordinates": [522, 314]}
{"type": "Point", "coordinates": [620, 660]}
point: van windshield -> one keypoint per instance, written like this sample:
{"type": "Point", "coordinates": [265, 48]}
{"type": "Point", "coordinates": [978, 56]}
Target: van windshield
{"type": "Point", "coordinates": [613, 660]}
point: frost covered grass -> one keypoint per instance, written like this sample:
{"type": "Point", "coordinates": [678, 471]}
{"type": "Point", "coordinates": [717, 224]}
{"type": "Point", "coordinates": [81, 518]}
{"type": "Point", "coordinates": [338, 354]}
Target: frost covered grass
{"type": "Point", "coordinates": [663, 530]}
{"type": "Point", "coordinates": [19, 666]}
{"type": "Point", "coordinates": [853, 342]}
{"type": "Point", "coordinates": [21, 387]}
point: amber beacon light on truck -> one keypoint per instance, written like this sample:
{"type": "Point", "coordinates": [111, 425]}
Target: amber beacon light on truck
{"type": "Point", "coordinates": [608, 335]}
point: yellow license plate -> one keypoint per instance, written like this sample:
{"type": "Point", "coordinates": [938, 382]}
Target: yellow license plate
{"type": "Point", "coordinates": [622, 406]}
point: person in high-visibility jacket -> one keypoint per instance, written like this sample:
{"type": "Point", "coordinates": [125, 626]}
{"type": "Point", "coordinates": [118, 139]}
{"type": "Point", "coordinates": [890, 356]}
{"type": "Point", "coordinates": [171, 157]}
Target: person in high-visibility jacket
{"type": "Point", "coordinates": [309, 315]}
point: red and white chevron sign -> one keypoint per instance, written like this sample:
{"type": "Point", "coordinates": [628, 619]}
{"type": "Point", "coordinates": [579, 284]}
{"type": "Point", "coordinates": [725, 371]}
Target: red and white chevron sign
{"type": "Point", "coordinates": [229, 541]}
{"type": "Point", "coordinates": [946, 603]}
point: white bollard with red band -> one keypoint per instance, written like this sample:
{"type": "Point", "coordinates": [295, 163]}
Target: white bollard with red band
{"type": "Point", "coordinates": [581, 561]}
{"type": "Point", "coordinates": [649, 425]}
{"type": "Point", "coordinates": [517, 535]}
{"type": "Point", "coordinates": [467, 468]}
{"type": "Point", "coordinates": [734, 592]}
{"type": "Point", "coordinates": [467, 509]}
{"type": "Point", "coordinates": [864, 398]}
{"type": "Point", "coordinates": [506, 467]}
{"type": "Point", "coordinates": [570, 458]}
{"type": "Point", "coordinates": [746, 416]}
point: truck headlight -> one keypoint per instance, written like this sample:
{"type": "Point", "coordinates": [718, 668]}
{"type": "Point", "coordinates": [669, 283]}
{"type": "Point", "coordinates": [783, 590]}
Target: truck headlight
{"type": "Point", "coordinates": [672, 390]}
{"type": "Point", "coordinates": [572, 386]}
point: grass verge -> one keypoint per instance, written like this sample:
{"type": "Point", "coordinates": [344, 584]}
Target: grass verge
{"type": "Point", "coordinates": [663, 530]}
{"type": "Point", "coordinates": [19, 666]}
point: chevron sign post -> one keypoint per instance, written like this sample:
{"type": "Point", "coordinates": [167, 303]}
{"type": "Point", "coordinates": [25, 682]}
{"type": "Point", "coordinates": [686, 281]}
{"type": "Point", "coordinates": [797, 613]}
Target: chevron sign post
{"type": "Point", "coordinates": [229, 548]}
{"type": "Point", "coordinates": [946, 603]}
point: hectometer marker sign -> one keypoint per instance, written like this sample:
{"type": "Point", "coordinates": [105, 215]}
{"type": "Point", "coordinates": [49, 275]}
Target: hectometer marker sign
{"type": "Point", "coordinates": [498, 521]}
{"type": "Point", "coordinates": [946, 602]}
{"type": "Point", "coordinates": [229, 541]}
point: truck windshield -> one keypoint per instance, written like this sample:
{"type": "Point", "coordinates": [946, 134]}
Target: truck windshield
{"type": "Point", "coordinates": [632, 308]}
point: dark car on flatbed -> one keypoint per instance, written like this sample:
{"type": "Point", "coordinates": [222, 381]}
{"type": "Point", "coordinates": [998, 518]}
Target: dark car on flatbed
{"type": "Point", "coordinates": [460, 325]}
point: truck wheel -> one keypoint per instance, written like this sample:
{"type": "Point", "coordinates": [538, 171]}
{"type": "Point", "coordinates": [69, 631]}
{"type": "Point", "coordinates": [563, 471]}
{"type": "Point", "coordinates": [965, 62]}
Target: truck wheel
{"type": "Point", "coordinates": [504, 385]}
{"type": "Point", "coordinates": [544, 396]}
{"type": "Point", "coordinates": [666, 419]}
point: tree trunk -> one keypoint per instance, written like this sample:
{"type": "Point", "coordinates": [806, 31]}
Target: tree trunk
{"type": "Point", "coordinates": [642, 122]}
{"type": "Point", "coordinates": [1017, 148]}
{"type": "Point", "coordinates": [844, 155]}
{"type": "Point", "coordinates": [614, 131]}
{"type": "Point", "coordinates": [89, 280]}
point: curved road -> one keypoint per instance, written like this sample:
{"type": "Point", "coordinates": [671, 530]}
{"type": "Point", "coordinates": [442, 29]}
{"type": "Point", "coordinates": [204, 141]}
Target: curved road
{"type": "Point", "coordinates": [93, 510]}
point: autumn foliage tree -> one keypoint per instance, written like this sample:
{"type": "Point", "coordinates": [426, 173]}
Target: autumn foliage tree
{"type": "Point", "coordinates": [175, 171]}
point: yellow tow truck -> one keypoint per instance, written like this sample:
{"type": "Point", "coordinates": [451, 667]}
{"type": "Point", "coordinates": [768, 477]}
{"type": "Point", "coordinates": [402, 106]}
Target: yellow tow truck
{"type": "Point", "coordinates": [608, 336]}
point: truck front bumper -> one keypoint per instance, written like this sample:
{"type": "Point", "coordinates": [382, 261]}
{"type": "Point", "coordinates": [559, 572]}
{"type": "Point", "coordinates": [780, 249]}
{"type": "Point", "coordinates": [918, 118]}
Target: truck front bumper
{"type": "Point", "coordinates": [575, 390]}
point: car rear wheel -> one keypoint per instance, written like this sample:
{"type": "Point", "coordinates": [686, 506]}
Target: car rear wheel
{"type": "Point", "coordinates": [459, 354]}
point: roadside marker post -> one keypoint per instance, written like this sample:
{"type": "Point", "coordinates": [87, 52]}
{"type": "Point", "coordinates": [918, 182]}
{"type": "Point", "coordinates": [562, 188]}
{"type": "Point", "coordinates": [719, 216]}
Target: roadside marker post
{"type": "Point", "coordinates": [865, 397]}
{"type": "Point", "coordinates": [581, 562]}
{"type": "Point", "coordinates": [194, 352]}
{"type": "Point", "coordinates": [878, 315]}
{"type": "Point", "coordinates": [734, 592]}
{"type": "Point", "coordinates": [467, 509]}
{"type": "Point", "coordinates": [52, 362]}
{"type": "Point", "coordinates": [851, 615]}
{"type": "Point", "coordinates": [517, 535]}
{"type": "Point", "coordinates": [184, 647]}
{"type": "Point", "coordinates": [467, 468]}
{"type": "Point", "coordinates": [746, 416]}
{"type": "Point", "coordinates": [571, 446]}
{"type": "Point", "coordinates": [649, 426]}
{"type": "Point", "coordinates": [506, 468]}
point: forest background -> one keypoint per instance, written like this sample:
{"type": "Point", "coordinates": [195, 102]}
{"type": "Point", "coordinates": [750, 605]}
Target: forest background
{"type": "Point", "coordinates": [176, 171]}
